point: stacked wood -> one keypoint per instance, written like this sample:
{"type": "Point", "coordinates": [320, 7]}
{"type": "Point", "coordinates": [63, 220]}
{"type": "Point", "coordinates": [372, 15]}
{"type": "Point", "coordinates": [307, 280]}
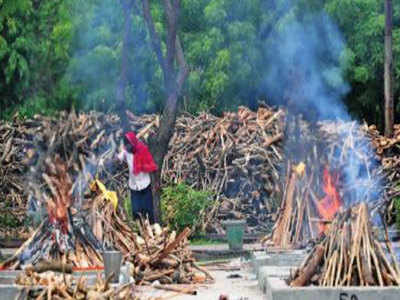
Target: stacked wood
{"type": "Point", "coordinates": [388, 153]}
{"type": "Point", "coordinates": [108, 223]}
{"type": "Point", "coordinates": [350, 255]}
{"type": "Point", "coordinates": [294, 222]}
{"type": "Point", "coordinates": [84, 141]}
{"type": "Point", "coordinates": [155, 253]}
{"type": "Point", "coordinates": [236, 156]}
{"type": "Point", "coordinates": [63, 235]}
{"type": "Point", "coordinates": [61, 286]}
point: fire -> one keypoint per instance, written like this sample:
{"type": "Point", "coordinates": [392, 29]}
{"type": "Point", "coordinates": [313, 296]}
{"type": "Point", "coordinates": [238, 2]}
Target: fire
{"type": "Point", "coordinates": [60, 185]}
{"type": "Point", "coordinates": [328, 206]}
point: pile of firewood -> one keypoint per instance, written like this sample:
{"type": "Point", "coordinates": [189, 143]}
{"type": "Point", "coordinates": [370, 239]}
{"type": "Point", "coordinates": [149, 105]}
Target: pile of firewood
{"type": "Point", "coordinates": [62, 286]}
{"type": "Point", "coordinates": [350, 255]}
{"type": "Point", "coordinates": [388, 153]}
{"type": "Point", "coordinates": [236, 156]}
{"type": "Point", "coordinates": [65, 236]}
{"type": "Point", "coordinates": [85, 141]}
{"type": "Point", "coordinates": [155, 253]}
{"type": "Point", "coordinates": [164, 256]}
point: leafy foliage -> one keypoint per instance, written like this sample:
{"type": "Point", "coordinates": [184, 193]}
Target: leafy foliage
{"type": "Point", "coordinates": [34, 50]}
{"type": "Point", "coordinates": [362, 23]}
{"type": "Point", "coordinates": [57, 54]}
{"type": "Point", "coordinates": [184, 206]}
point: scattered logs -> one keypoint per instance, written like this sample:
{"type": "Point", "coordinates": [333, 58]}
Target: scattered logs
{"type": "Point", "coordinates": [61, 286]}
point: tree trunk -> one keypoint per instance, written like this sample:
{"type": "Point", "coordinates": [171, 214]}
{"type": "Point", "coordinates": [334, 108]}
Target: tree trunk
{"type": "Point", "coordinates": [122, 83]}
{"type": "Point", "coordinates": [159, 148]}
{"type": "Point", "coordinates": [389, 112]}
{"type": "Point", "coordinates": [173, 84]}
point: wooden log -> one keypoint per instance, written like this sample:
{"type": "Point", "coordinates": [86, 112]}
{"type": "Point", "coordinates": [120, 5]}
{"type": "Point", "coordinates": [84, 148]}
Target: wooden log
{"type": "Point", "coordinates": [184, 234]}
{"type": "Point", "coordinates": [306, 274]}
{"type": "Point", "coordinates": [181, 290]}
{"type": "Point", "coordinates": [55, 266]}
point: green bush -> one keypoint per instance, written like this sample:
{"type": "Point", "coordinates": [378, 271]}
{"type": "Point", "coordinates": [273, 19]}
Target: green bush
{"type": "Point", "coordinates": [184, 206]}
{"type": "Point", "coordinates": [9, 220]}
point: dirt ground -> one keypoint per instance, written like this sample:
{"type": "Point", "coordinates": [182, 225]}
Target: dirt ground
{"type": "Point", "coordinates": [243, 288]}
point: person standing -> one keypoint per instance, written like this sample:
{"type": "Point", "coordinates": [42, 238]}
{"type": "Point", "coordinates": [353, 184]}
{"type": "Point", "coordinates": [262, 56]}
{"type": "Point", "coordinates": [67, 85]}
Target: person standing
{"type": "Point", "coordinates": [140, 163]}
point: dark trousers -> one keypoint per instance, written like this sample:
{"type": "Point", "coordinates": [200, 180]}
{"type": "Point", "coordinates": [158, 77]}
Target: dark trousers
{"type": "Point", "coordinates": [142, 204]}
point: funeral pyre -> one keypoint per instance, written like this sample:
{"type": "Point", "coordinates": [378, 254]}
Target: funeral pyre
{"type": "Point", "coordinates": [64, 234]}
{"type": "Point", "coordinates": [349, 255]}
{"type": "Point", "coordinates": [77, 237]}
{"type": "Point", "coordinates": [333, 165]}
{"type": "Point", "coordinates": [50, 285]}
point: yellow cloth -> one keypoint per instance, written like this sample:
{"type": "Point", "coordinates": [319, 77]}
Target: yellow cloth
{"type": "Point", "coordinates": [108, 195]}
{"type": "Point", "coordinates": [300, 169]}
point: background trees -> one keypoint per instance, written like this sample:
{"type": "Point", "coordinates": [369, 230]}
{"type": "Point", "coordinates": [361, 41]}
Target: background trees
{"type": "Point", "coordinates": [55, 54]}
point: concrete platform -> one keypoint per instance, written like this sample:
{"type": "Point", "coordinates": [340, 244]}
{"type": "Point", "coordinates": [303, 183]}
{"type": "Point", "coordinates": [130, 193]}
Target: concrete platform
{"type": "Point", "coordinates": [274, 272]}
{"type": "Point", "coordinates": [290, 258]}
{"type": "Point", "coordinates": [7, 278]}
{"type": "Point", "coordinates": [277, 289]}
{"type": "Point", "coordinates": [220, 251]}
{"type": "Point", "coordinates": [8, 292]}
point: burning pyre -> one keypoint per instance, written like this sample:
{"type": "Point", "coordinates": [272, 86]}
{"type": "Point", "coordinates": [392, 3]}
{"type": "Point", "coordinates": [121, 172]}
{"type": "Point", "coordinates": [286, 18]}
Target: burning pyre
{"type": "Point", "coordinates": [76, 238]}
{"type": "Point", "coordinates": [64, 234]}
{"type": "Point", "coordinates": [333, 169]}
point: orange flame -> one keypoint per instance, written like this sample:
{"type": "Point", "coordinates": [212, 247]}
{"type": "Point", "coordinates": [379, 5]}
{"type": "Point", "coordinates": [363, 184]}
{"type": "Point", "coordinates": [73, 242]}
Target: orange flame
{"type": "Point", "coordinates": [331, 203]}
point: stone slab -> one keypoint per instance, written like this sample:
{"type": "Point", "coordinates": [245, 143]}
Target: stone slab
{"type": "Point", "coordinates": [8, 277]}
{"type": "Point", "coordinates": [278, 290]}
{"type": "Point", "coordinates": [283, 259]}
{"type": "Point", "coordinates": [271, 271]}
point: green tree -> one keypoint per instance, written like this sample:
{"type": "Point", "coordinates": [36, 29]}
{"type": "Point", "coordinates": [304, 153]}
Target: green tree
{"type": "Point", "coordinates": [223, 48]}
{"type": "Point", "coordinates": [363, 25]}
{"type": "Point", "coordinates": [33, 55]}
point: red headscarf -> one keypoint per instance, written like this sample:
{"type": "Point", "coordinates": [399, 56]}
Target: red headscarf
{"type": "Point", "coordinates": [143, 160]}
